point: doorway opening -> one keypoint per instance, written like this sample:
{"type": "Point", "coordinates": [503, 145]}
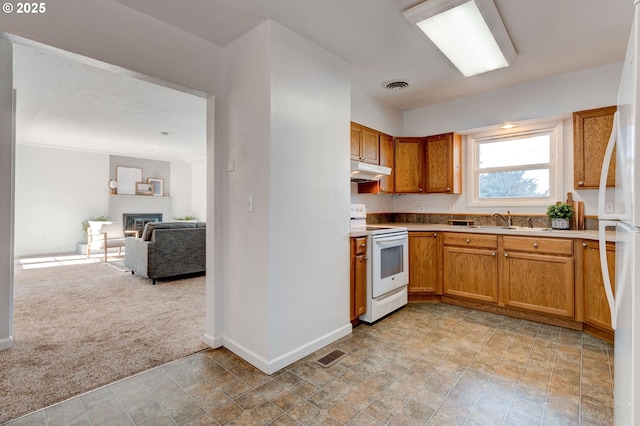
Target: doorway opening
{"type": "Point", "coordinates": [77, 119]}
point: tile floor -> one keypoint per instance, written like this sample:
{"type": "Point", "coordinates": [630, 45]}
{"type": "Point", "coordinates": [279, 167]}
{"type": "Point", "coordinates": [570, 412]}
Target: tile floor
{"type": "Point", "coordinates": [428, 364]}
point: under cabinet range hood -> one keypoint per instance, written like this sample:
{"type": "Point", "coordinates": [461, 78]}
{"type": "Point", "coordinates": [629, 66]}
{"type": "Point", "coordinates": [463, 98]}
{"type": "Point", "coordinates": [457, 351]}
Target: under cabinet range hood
{"type": "Point", "coordinates": [365, 172]}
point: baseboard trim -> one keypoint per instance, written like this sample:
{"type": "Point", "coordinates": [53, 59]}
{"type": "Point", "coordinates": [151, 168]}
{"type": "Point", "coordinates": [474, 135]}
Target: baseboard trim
{"type": "Point", "coordinates": [280, 362]}
{"type": "Point", "coordinates": [6, 343]}
{"type": "Point", "coordinates": [214, 342]}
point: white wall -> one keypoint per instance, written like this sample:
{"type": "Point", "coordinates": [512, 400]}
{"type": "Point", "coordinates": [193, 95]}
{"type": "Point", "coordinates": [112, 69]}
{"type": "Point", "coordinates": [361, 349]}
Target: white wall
{"type": "Point", "coordinates": [370, 112]}
{"type": "Point", "coordinates": [543, 98]}
{"type": "Point", "coordinates": [309, 274]}
{"type": "Point", "coordinates": [558, 96]}
{"type": "Point", "coordinates": [286, 263]}
{"type": "Point", "coordinates": [55, 191]}
{"type": "Point", "coordinates": [180, 190]}
{"type": "Point", "coordinates": [246, 255]}
{"type": "Point", "coordinates": [6, 194]}
{"type": "Point", "coordinates": [199, 190]}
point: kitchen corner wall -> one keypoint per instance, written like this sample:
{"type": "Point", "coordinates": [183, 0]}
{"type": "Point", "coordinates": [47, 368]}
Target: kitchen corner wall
{"type": "Point", "coordinates": [553, 97]}
{"type": "Point", "coordinates": [286, 260]}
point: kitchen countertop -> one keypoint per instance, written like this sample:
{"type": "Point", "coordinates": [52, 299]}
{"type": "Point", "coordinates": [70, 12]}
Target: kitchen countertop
{"type": "Point", "coordinates": [533, 232]}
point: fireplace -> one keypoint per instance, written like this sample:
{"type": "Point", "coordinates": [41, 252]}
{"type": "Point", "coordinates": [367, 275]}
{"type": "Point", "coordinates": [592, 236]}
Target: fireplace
{"type": "Point", "coordinates": [136, 221]}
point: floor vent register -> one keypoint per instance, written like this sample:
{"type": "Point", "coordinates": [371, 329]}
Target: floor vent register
{"type": "Point", "coordinates": [330, 358]}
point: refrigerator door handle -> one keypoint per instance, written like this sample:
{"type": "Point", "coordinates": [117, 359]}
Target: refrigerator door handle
{"type": "Point", "coordinates": [604, 171]}
{"type": "Point", "coordinates": [604, 263]}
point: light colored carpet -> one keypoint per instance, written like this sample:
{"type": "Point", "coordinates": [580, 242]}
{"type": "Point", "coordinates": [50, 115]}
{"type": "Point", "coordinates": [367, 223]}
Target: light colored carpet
{"type": "Point", "coordinates": [79, 327]}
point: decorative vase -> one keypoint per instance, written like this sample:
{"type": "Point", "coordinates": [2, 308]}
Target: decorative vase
{"type": "Point", "coordinates": [560, 223]}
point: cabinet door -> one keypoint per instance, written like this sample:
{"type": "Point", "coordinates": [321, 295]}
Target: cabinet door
{"type": "Point", "coordinates": [360, 285]}
{"type": "Point", "coordinates": [387, 160]}
{"type": "Point", "coordinates": [423, 262]}
{"type": "Point", "coordinates": [591, 131]}
{"type": "Point", "coordinates": [444, 171]}
{"type": "Point", "coordinates": [409, 153]}
{"type": "Point", "coordinates": [358, 301]}
{"type": "Point", "coordinates": [369, 146]}
{"type": "Point", "coordinates": [596, 307]}
{"type": "Point", "coordinates": [541, 283]}
{"type": "Point", "coordinates": [356, 139]}
{"type": "Point", "coordinates": [364, 144]}
{"type": "Point", "coordinates": [471, 273]}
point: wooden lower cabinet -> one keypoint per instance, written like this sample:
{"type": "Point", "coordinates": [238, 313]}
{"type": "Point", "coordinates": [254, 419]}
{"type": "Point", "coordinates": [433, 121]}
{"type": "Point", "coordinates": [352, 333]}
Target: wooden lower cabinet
{"type": "Point", "coordinates": [551, 280]}
{"type": "Point", "coordinates": [537, 282]}
{"type": "Point", "coordinates": [538, 275]}
{"type": "Point", "coordinates": [358, 302]}
{"type": "Point", "coordinates": [470, 266]}
{"type": "Point", "coordinates": [596, 307]}
{"type": "Point", "coordinates": [424, 259]}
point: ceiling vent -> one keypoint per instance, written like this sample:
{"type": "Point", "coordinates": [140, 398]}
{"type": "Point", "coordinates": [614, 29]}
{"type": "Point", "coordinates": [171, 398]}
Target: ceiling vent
{"type": "Point", "coordinates": [396, 85]}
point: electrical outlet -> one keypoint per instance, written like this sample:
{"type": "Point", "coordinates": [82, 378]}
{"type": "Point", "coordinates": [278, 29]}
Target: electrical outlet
{"type": "Point", "coordinates": [421, 207]}
{"type": "Point", "coordinates": [609, 207]}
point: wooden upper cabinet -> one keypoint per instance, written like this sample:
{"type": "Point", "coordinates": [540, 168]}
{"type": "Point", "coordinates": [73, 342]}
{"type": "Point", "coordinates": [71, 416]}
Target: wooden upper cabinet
{"type": "Point", "coordinates": [387, 157]}
{"type": "Point", "coordinates": [410, 164]}
{"type": "Point", "coordinates": [591, 132]}
{"type": "Point", "coordinates": [364, 144]}
{"type": "Point", "coordinates": [444, 164]}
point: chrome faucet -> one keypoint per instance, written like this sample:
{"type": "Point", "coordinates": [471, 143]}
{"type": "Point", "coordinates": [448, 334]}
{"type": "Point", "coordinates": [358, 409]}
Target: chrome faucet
{"type": "Point", "coordinates": [507, 220]}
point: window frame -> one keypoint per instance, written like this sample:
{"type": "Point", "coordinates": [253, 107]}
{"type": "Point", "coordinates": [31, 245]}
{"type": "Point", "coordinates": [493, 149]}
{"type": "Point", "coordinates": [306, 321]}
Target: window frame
{"type": "Point", "coordinates": [553, 128]}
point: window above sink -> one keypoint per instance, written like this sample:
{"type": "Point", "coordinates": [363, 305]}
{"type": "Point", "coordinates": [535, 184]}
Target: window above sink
{"type": "Point", "coordinates": [521, 166]}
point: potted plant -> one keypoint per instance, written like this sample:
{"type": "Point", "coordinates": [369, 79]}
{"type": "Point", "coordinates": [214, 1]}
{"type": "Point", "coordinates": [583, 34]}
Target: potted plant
{"type": "Point", "coordinates": [560, 213]}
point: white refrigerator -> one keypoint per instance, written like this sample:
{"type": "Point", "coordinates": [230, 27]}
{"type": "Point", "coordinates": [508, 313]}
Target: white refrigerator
{"type": "Point", "coordinates": [625, 303]}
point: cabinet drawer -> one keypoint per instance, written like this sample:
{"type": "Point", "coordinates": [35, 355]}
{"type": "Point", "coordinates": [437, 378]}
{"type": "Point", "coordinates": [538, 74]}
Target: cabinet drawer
{"type": "Point", "coordinates": [471, 240]}
{"type": "Point", "coordinates": [360, 245]}
{"type": "Point", "coordinates": [538, 245]}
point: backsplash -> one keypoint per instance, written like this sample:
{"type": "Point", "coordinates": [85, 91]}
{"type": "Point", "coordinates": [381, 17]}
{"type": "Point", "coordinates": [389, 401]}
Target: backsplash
{"type": "Point", "coordinates": [539, 221]}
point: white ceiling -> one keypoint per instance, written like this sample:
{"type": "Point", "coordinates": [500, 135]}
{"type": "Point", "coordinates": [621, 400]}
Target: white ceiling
{"type": "Point", "coordinates": [551, 37]}
{"type": "Point", "coordinates": [67, 104]}
{"type": "Point", "coordinates": [79, 105]}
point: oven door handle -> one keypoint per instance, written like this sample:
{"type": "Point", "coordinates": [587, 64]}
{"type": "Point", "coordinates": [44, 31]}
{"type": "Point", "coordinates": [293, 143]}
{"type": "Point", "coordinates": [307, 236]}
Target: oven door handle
{"type": "Point", "coordinates": [390, 238]}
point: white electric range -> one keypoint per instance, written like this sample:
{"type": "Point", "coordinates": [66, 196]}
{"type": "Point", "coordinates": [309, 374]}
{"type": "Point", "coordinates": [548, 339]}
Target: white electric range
{"type": "Point", "coordinates": [387, 265]}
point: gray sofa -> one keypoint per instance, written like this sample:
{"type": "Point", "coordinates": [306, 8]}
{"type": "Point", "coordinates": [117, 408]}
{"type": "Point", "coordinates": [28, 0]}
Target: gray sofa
{"type": "Point", "coordinates": [167, 249]}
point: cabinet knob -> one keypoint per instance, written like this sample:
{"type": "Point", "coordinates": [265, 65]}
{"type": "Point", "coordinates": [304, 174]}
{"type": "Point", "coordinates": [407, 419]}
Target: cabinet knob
{"type": "Point", "coordinates": [581, 183]}
{"type": "Point", "coordinates": [448, 189]}
{"type": "Point", "coordinates": [363, 245]}
{"type": "Point", "coordinates": [493, 253]}
{"type": "Point", "coordinates": [584, 244]}
{"type": "Point", "coordinates": [366, 258]}
{"type": "Point", "coordinates": [535, 245]}
{"type": "Point", "coordinates": [468, 240]}
{"type": "Point", "coordinates": [435, 235]}
{"type": "Point", "coordinates": [420, 189]}
{"type": "Point", "coordinates": [506, 255]}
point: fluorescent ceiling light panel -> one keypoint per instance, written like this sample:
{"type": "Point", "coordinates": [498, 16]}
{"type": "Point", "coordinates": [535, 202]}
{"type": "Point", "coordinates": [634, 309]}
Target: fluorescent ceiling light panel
{"type": "Point", "coordinates": [469, 33]}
